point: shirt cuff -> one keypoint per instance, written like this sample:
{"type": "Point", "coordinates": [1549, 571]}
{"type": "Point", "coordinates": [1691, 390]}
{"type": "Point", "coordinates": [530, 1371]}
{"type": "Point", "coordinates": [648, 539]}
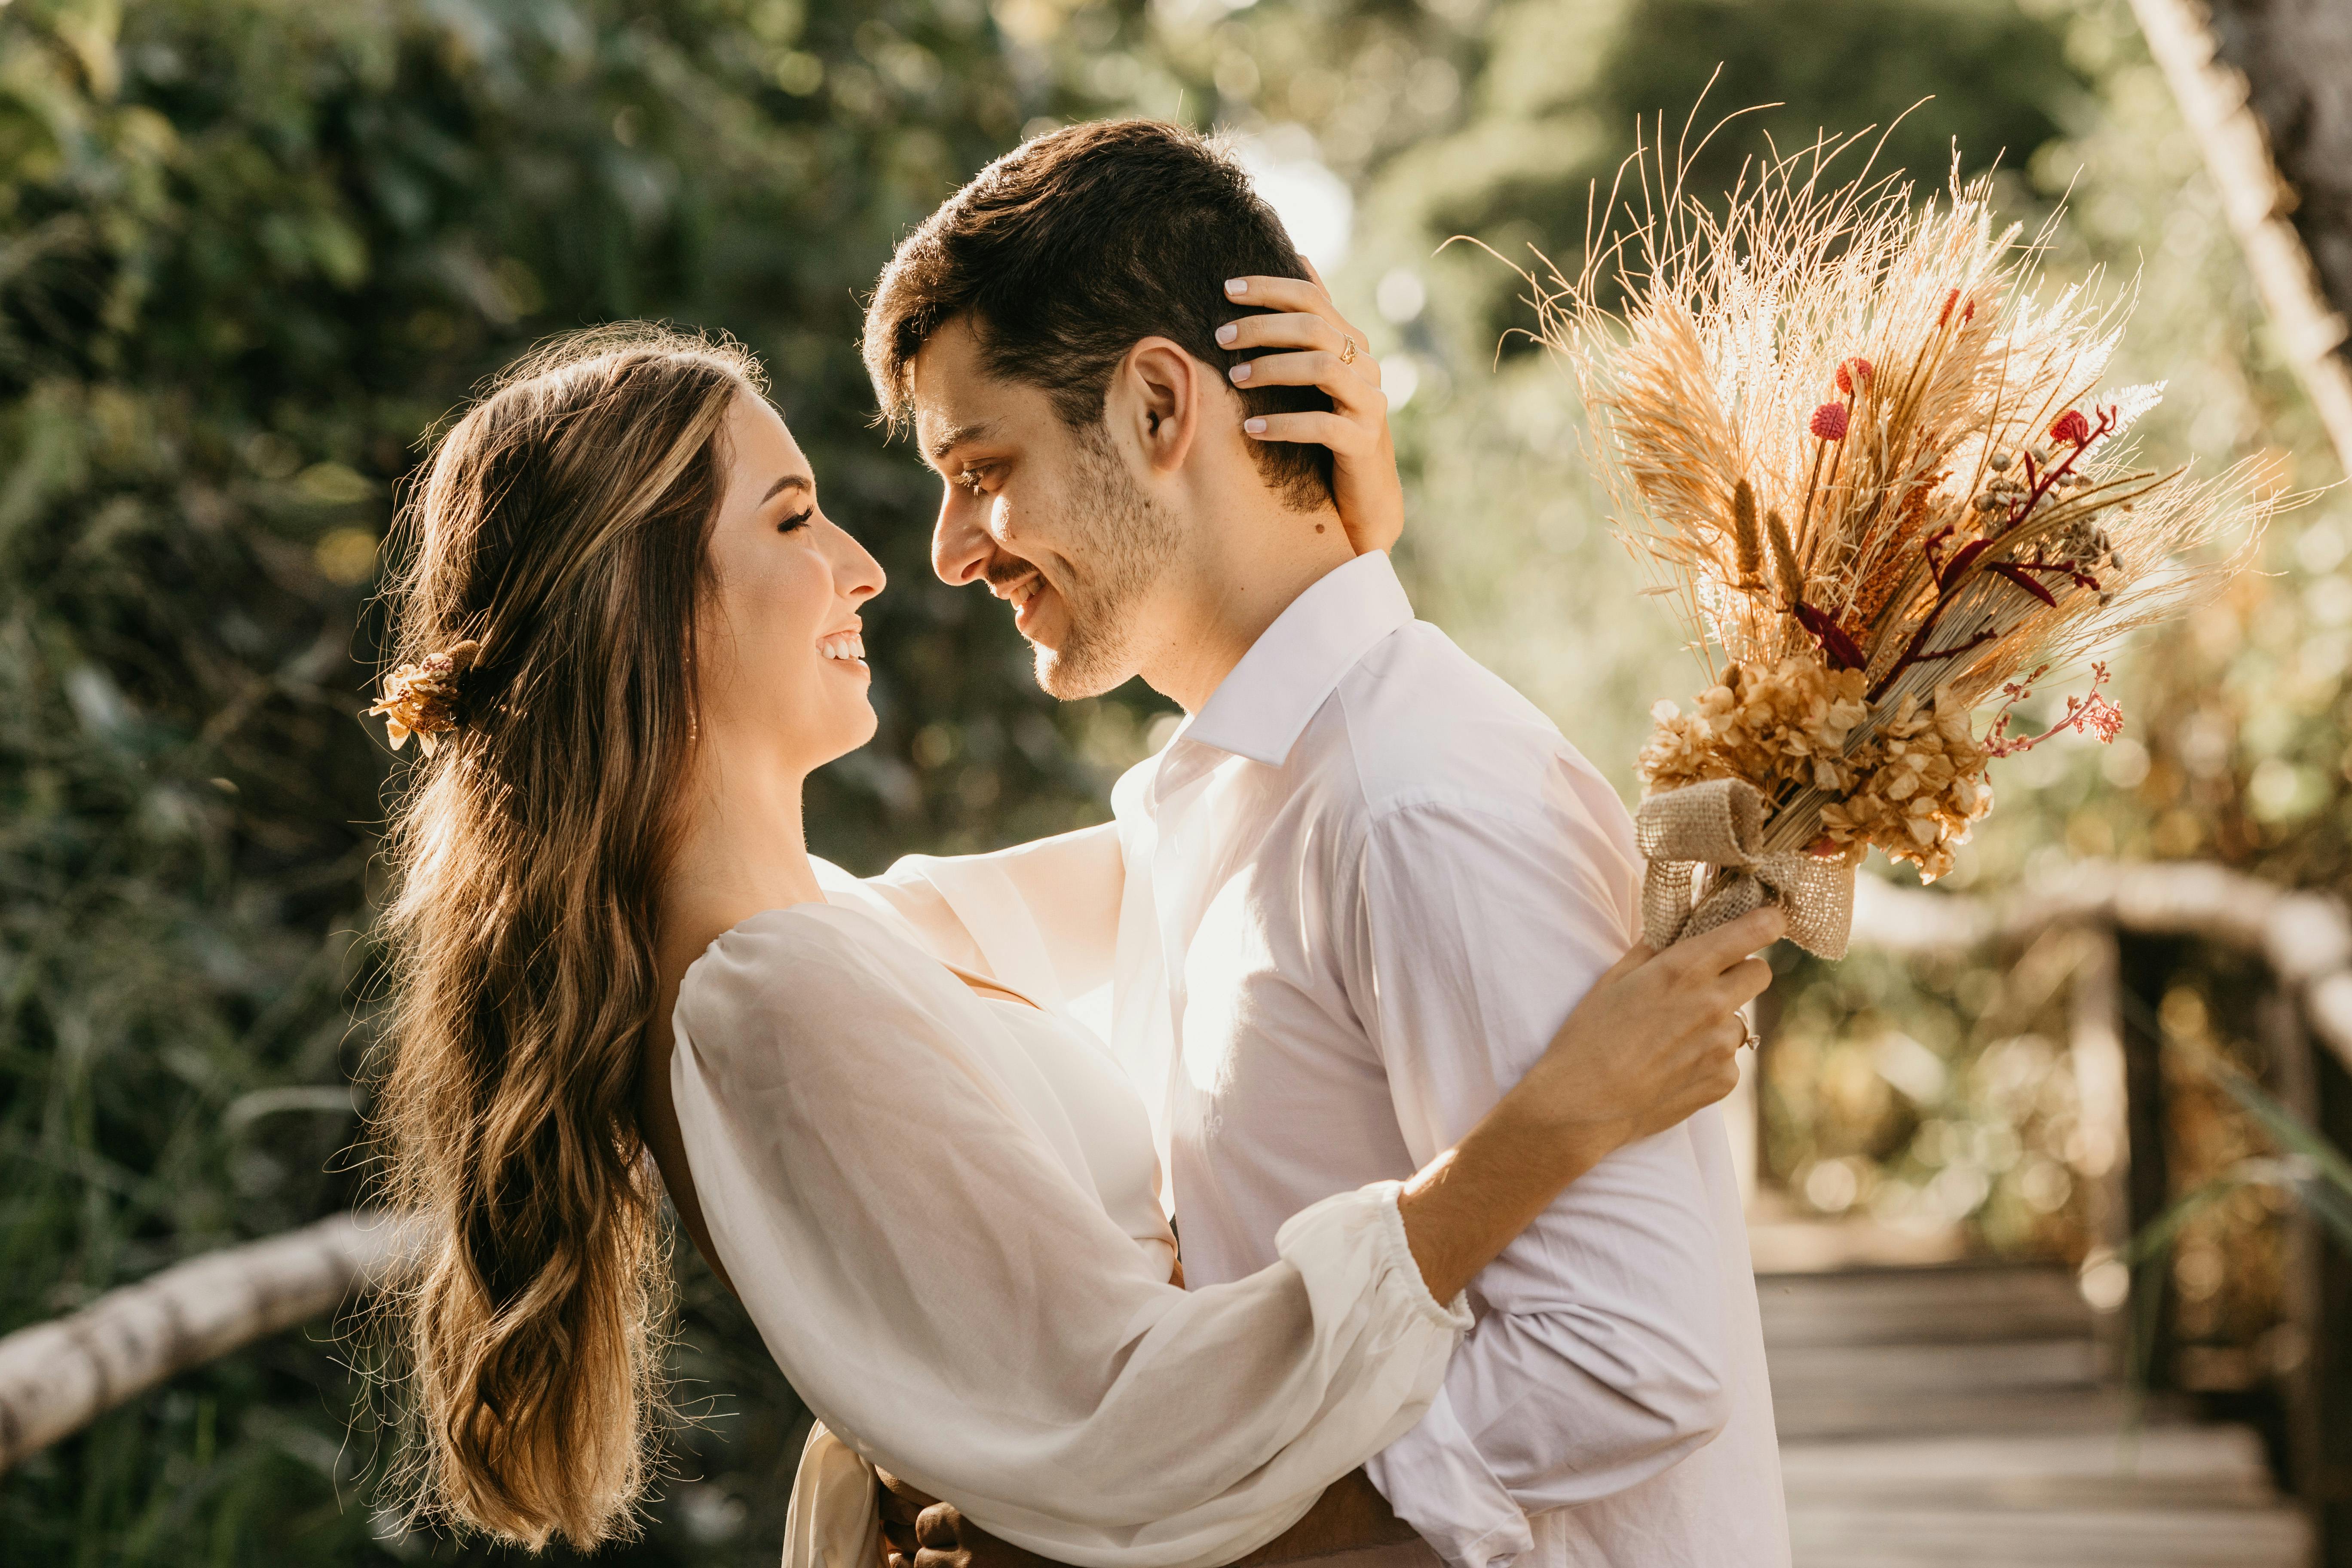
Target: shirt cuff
{"type": "Point", "coordinates": [1456, 1314]}
{"type": "Point", "coordinates": [1436, 1480]}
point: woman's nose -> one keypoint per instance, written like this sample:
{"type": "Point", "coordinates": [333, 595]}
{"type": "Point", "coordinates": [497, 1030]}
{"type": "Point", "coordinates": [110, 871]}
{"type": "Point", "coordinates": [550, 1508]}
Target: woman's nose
{"type": "Point", "coordinates": [856, 572]}
{"type": "Point", "coordinates": [960, 544]}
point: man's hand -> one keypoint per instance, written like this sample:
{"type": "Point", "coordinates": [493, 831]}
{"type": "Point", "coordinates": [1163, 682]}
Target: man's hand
{"type": "Point", "coordinates": [945, 1539]}
{"type": "Point", "coordinates": [920, 1531]}
{"type": "Point", "coordinates": [901, 1506]}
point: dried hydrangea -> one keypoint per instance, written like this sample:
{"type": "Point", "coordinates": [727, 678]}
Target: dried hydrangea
{"type": "Point", "coordinates": [1923, 788]}
{"type": "Point", "coordinates": [1913, 787]}
{"type": "Point", "coordinates": [1773, 725]}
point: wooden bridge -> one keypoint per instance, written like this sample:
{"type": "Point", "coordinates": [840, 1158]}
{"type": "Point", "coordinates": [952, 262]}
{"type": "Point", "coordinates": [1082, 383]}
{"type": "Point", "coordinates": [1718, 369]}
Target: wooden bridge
{"type": "Point", "coordinates": [1937, 1415]}
{"type": "Point", "coordinates": [1965, 1416]}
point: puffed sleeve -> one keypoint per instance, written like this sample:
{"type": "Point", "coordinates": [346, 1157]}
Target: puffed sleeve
{"type": "Point", "coordinates": [953, 1305]}
{"type": "Point", "coordinates": [1041, 917]}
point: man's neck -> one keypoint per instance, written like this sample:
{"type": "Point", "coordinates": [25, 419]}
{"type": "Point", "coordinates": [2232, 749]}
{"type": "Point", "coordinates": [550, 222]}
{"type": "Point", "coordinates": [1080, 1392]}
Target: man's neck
{"type": "Point", "coordinates": [1220, 601]}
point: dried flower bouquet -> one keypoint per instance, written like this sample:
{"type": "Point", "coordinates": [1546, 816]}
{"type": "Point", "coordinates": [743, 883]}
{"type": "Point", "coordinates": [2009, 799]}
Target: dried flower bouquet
{"type": "Point", "coordinates": [1873, 470]}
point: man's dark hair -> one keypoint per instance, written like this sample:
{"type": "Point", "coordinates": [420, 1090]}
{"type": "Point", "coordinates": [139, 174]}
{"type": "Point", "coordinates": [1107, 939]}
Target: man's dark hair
{"type": "Point", "coordinates": [1068, 249]}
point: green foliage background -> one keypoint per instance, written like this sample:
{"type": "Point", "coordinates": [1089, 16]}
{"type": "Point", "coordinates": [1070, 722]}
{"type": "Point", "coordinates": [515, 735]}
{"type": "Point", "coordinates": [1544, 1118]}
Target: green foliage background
{"type": "Point", "coordinates": [251, 250]}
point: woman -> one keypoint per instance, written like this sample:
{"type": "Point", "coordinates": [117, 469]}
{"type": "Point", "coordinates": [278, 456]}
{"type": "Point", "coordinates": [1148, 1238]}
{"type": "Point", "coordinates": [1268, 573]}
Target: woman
{"type": "Point", "coordinates": [629, 634]}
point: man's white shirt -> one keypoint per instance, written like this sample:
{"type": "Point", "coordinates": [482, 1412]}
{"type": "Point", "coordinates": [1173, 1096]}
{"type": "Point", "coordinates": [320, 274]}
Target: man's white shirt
{"type": "Point", "coordinates": [1333, 920]}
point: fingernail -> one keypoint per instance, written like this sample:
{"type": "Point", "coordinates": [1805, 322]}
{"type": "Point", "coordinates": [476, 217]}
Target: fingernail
{"type": "Point", "coordinates": [1228, 333]}
{"type": "Point", "coordinates": [1239, 372]}
{"type": "Point", "coordinates": [1236, 285]}
{"type": "Point", "coordinates": [1254, 426]}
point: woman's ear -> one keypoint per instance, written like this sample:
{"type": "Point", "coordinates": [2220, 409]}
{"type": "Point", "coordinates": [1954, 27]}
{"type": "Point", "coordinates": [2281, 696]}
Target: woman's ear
{"type": "Point", "coordinates": [1159, 392]}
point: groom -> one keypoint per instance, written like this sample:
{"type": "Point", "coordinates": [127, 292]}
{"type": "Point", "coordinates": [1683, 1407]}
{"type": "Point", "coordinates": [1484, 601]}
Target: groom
{"type": "Point", "coordinates": [1347, 905]}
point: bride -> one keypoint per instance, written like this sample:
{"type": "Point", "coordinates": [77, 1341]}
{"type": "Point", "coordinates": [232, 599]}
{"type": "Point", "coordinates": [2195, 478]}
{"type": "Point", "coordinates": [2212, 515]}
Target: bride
{"type": "Point", "coordinates": [630, 632]}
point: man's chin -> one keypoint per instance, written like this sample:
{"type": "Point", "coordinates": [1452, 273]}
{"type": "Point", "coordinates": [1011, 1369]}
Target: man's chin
{"type": "Point", "coordinates": [1076, 674]}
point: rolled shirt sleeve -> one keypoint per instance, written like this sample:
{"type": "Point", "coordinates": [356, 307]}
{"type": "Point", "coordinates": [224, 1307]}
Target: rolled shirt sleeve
{"type": "Point", "coordinates": [1598, 1356]}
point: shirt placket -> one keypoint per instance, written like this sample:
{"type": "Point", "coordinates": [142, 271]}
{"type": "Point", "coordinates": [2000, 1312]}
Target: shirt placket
{"type": "Point", "coordinates": [1178, 863]}
{"type": "Point", "coordinates": [1183, 862]}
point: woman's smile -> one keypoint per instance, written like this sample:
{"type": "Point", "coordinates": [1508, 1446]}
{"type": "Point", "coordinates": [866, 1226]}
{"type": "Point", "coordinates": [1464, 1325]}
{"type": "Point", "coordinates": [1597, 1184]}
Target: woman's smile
{"type": "Point", "coordinates": [845, 647]}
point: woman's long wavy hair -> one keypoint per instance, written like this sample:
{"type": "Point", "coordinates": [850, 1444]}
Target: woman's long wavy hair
{"type": "Point", "coordinates": [563, 524]}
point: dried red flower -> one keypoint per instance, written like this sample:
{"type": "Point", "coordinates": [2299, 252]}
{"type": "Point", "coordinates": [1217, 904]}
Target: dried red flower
{"type": "Point", "coordinates": [1829, 422]}
{"type": "Point", "coordinates": [1944, 316]}
{"type": "Point", "coordinates": [1855, 370]}
{"type": "Point", "coordinates": [2093, 715]}
{"type": "Point", "coordinates": [2073, 428]}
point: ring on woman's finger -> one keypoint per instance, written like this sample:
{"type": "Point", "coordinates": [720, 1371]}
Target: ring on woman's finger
{"type": "Point", "coordinates": [1752, 1041]}
{"type": "Point", "coordinates": [1347, 350]}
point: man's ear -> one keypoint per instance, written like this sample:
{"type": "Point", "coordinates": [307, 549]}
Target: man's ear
{"type": "Point", "coordinates": [1161, 394]}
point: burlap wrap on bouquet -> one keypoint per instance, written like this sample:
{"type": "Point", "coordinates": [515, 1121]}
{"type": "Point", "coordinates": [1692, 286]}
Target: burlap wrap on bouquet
{"type": "Point", "coordinates": [1720, 825]}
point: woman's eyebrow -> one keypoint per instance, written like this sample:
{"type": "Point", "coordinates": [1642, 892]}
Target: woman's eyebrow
{"type": "Point", "coordinates": [787, 482]}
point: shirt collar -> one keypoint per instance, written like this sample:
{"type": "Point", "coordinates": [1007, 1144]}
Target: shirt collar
{"type": "Point", "coordinates": [1260, 707]}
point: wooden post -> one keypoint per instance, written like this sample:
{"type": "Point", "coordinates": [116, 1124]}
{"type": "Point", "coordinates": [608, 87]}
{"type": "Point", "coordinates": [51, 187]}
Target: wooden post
{"type": "Point", "coordinates": [2143, 963]}
{"type": "Point", "coordinates": [2288, 1048]}
{"type": "Point", "coordinates": [2328, 1373]}
{"type": "Point", "coordinates": [2095, 1044]}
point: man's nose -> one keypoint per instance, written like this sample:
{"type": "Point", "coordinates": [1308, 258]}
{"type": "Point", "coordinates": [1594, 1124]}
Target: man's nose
{"type": "Point", "coordinates": [960, 544]}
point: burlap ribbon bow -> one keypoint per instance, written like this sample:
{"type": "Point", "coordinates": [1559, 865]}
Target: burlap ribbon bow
{"type": "Point", "coordinates": [1720, 825]}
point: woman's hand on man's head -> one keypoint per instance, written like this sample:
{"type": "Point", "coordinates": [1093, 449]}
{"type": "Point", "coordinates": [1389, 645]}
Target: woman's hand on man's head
{"type": "Point", "coordinates": [1333, 356]}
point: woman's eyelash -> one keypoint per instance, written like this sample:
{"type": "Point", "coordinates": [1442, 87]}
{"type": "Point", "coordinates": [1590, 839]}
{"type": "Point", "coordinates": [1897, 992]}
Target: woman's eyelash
{"type": "Point", "coordinates": [796, 520]}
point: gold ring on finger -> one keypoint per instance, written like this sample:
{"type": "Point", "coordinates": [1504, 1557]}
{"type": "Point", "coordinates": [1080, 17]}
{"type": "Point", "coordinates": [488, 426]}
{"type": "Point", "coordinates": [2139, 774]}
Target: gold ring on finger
{"type": "Point", "coordinates": [1347, 350]}
{"type": "Point", "coordinates": [1751, 1042]}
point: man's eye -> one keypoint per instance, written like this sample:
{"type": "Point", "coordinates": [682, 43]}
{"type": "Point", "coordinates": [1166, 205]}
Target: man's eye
{"type": "Point", "coordinates": [971, 479]}
{"type": "Point", "coordinates": [795, 522]}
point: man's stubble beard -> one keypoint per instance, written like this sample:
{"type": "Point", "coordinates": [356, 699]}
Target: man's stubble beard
{"type": "Point", "coordinates": [1120, 542]}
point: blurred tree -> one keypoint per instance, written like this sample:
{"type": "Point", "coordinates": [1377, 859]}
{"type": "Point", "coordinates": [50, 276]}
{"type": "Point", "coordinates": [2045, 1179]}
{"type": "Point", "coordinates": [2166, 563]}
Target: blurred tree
{"type": "Point", "coordinates": [2297, 58]}
{"type": "Point", "coordinates": [250, 252]}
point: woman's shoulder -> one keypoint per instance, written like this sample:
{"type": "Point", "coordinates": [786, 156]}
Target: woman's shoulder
{"type": "Point", "coordinates": [798, 967]}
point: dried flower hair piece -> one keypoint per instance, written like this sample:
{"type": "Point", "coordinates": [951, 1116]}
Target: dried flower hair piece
{"type": "Point", "coordinates": [421, 698]}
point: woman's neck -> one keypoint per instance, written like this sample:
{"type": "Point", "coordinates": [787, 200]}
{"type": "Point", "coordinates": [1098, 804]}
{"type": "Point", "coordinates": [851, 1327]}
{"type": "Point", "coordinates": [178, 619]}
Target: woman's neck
{"type": "Point", "coordinates": [744, 851]}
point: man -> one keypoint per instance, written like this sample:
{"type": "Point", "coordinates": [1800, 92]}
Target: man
{"type": "Point", "coordinates": [1350, 902]}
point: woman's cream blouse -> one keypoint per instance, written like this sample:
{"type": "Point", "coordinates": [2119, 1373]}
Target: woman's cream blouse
{"type": "Point", "coordinates": [941, 1211]}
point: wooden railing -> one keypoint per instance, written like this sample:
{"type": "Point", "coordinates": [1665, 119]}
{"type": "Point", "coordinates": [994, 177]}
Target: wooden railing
{"type": "Point", "coordinates": [57, 1377]}
{"type": "Point", "coordinates": [2130, 921]}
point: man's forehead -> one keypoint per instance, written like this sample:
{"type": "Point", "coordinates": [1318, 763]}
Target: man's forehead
{"type": "Point", "coordinates": [940, 435]}
{"type": "Point", "coordinates": [958, 397]}
{"type": "Point", "coordinates": [947, 391]}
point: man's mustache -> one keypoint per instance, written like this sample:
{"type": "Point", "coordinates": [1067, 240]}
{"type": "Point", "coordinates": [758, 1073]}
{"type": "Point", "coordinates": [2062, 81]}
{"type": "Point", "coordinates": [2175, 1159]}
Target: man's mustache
{"type": "Point", "coordinates": [1009, 574]}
